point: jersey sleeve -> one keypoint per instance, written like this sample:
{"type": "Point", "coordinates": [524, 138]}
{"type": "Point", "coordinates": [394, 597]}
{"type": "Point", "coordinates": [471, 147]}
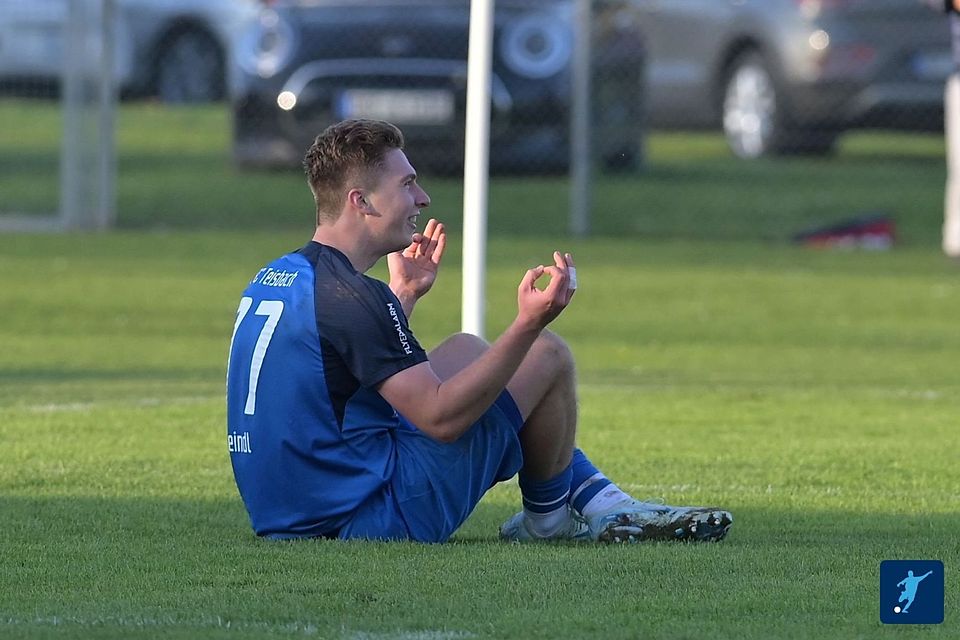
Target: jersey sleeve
{"type": "Point", "coordinates": [363, 320]}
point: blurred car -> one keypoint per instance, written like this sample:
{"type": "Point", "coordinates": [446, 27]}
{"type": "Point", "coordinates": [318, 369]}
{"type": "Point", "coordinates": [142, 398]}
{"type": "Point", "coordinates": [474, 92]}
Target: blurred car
{"type": "Point", "coordinates": [306, 64]}
{"type": "Point", "coordinates": [784, 76]}
{"type": "Point", "coordinates": [177, 50]}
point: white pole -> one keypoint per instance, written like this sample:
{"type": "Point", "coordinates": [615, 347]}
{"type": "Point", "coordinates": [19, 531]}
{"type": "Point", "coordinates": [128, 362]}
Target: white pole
{"type": "Point", "coordinates": [581, 157]}
{"type": "Point", "coordinates": [951, 107]}
{"type": "Point", "coordinates": [951, 218]}
{"type": "Point", "coordinates": [476, 165]}
{"type": "Point", "coordinates": [87, 165]}
{"type": "Point", "coordinates": [107, 100]}
{"type": "Point", "coordinates": [75, 73]}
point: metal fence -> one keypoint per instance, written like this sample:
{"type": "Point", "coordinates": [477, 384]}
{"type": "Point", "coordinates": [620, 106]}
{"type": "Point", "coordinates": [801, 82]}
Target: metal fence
{"type": "Point", "coordinates": [775, 77]}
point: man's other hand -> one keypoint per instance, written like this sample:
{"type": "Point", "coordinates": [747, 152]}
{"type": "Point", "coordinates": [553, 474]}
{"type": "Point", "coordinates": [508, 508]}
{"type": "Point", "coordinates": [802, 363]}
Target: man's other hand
{"type": "Point", "coordinates": [539, 307]}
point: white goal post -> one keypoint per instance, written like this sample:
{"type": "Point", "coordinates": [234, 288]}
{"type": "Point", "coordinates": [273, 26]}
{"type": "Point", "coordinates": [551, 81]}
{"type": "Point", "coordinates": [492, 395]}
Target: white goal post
{"type": "Point", "coordinates": [477, 151]}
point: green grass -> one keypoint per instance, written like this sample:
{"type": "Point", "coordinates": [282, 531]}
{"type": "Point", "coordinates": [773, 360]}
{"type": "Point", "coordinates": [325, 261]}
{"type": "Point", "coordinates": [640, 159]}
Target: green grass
{"type": "Point", "coordinates": [812, 393]}
{"type": "Point", "coordinates": [174, 171]}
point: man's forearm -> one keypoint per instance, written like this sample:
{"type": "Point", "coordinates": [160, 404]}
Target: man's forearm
{"type": "Point", "coordinates": [462, 399]}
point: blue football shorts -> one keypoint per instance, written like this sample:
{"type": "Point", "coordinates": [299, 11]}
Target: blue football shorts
{"type": "Point", "coordinates": [435, 486]}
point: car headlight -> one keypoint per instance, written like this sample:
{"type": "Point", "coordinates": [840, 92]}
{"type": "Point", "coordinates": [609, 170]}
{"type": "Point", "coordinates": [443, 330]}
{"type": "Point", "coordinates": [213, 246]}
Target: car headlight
{"type": "Point", "coordinates": [537, 45]}
{"type": "Point", "coordinates": [267, 46]}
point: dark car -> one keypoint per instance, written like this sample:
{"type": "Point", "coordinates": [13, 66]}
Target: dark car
{"type": "Point", "coordinates": [307, 64]}
{"type": "Point", "coordinates": [786, 76]}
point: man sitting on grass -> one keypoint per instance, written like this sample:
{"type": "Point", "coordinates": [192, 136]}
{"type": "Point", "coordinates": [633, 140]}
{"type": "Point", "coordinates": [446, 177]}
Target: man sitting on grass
{"type": "Point", "coordinates": [340, 425]}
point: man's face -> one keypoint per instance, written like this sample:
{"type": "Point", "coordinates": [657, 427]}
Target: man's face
{"type": "Point", "coordinates": [396, 201]}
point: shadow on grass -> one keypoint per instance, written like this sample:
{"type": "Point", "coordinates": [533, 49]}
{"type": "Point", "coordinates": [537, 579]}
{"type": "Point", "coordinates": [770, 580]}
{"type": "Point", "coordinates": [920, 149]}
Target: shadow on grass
{"type": "Point", "coordinates": [193, 565]}
{"type": "Point", "coordinates": [25, 163]}
{"type": "Point", "coordinates": [223, 521]}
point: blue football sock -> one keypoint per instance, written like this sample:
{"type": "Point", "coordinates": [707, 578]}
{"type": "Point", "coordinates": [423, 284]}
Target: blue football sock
{"type": "Point", "coordinates": [587, 480]}
{"type": "Point", "coordinates": [586, 485]}
{"type": "Point", "coordinates": [545, 502]}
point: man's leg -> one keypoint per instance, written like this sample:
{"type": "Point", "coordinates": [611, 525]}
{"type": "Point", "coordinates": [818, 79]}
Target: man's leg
{"type": "Point", "coordinates": [554, 474]}
{"type": "Point", "coordinates": [544, 391]}
{"type": "Point", "coordinates": [906, 607]}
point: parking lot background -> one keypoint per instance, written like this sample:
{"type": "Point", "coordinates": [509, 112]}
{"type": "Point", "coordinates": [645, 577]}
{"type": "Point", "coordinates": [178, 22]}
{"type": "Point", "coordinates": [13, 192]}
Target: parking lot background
{"type": "Point", "coordinates": [189, 137]}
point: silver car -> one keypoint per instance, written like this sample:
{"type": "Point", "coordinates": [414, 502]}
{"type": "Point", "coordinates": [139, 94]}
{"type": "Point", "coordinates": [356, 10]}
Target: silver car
{"type": "Point", "coordinates": [787, 76]}
{"type": "Point", "coordinates": [178, 50]}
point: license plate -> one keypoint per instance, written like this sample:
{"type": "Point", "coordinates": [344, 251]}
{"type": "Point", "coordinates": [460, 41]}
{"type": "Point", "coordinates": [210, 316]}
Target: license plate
{"type": "Point", "coordinates": [400, 106]}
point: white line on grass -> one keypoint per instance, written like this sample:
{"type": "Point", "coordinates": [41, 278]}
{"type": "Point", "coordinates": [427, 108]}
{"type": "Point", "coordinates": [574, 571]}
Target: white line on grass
{"type": "Point", "coordinates": [217, 622]}
{"type": "Point", "coordinates": [732, 488]}
{"type": "Point", "coordinates": [54, 407]}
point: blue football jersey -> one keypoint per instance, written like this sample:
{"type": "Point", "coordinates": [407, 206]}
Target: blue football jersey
{"type": "Point", "coordinates": [309, 436]}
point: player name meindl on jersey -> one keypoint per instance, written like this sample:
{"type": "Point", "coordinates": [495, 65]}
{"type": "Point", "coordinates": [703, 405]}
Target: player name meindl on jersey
{"type": "Point", "coordinates": [273, 278]}
{"type": "Point", "coordinates": [239, 442]}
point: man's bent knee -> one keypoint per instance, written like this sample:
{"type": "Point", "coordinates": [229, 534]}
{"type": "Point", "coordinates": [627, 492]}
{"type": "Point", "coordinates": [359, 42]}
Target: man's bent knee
{"type": "Point", "coordinates": [548, 365]}
{"type": "Point", "coordinates": [551, 354]}
{"type": "Point", "coordinates": [455, 353]}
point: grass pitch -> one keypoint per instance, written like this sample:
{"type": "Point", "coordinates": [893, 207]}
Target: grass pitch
{"type": "Point", "coordinates": [813, 394]}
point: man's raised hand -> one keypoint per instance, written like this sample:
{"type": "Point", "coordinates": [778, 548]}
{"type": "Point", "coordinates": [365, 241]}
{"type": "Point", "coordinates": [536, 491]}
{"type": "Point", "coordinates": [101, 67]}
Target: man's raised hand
{"type": "Point", "coordinates": [414, 270]}
{"type": "Point", "coordinates": [538, 307]}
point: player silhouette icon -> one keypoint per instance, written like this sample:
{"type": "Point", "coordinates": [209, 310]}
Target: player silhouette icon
{"type": "Point", "coordinates": [909, 585]}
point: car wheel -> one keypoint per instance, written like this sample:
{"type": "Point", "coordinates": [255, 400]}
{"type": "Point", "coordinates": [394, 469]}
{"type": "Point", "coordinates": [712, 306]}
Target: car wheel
{"type": "Point", "coordinates": [756, 122]}
{"type": "Point", "coordinates": [750, 104]}
{"type": "Point", "coordinates": [190, 68]}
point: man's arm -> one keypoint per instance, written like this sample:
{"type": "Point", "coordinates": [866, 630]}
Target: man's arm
{"type": "Point", "coordinates": [445, 409]}
{"type": "Point", "coordinates": [414, 270]}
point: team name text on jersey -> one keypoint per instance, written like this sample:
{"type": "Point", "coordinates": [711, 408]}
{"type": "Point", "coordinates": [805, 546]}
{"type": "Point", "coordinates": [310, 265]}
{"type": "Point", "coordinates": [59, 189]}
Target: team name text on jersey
{"type": "Point", "coordinates": [273, 278]}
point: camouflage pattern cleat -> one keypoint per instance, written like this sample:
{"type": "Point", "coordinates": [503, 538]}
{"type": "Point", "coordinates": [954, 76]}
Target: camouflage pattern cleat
{"type": "Point", "coordinates": [515, 530]}
{"type": "Point", "coordinates": [636, 521]}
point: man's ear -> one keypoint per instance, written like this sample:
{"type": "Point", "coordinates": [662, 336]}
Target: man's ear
{"type": "Point", "coordinates": [358, 200]}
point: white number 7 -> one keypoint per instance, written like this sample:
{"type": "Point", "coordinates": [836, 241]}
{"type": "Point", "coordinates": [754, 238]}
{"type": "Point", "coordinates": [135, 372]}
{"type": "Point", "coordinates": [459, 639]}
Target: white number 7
{"type": "Point", "coordinates": [273, 309]}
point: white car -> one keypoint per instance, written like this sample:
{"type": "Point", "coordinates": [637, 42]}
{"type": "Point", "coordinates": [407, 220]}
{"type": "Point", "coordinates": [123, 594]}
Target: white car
{"type": "Point", "coordinates": [177, 50]}
{"type": "Point", "coordinates": [782, 76]}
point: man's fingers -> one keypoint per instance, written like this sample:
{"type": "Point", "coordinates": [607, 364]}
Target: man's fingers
{"type": "Point", "coordinates": [529, 280]}
{"type": "Point", "coordinates": [558, 281]}
{"type": "Point", "coordinates": [428, 230]}
{"type": "Point", "coordinates": [564, 262]}
{"type": "Point", "coordinates": [441, 242]}
{"type": "Point", "coordinates": [429, 240]}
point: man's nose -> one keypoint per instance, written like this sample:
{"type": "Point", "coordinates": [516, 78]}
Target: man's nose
{"type": "Point", "coordinates": [424, 200]}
